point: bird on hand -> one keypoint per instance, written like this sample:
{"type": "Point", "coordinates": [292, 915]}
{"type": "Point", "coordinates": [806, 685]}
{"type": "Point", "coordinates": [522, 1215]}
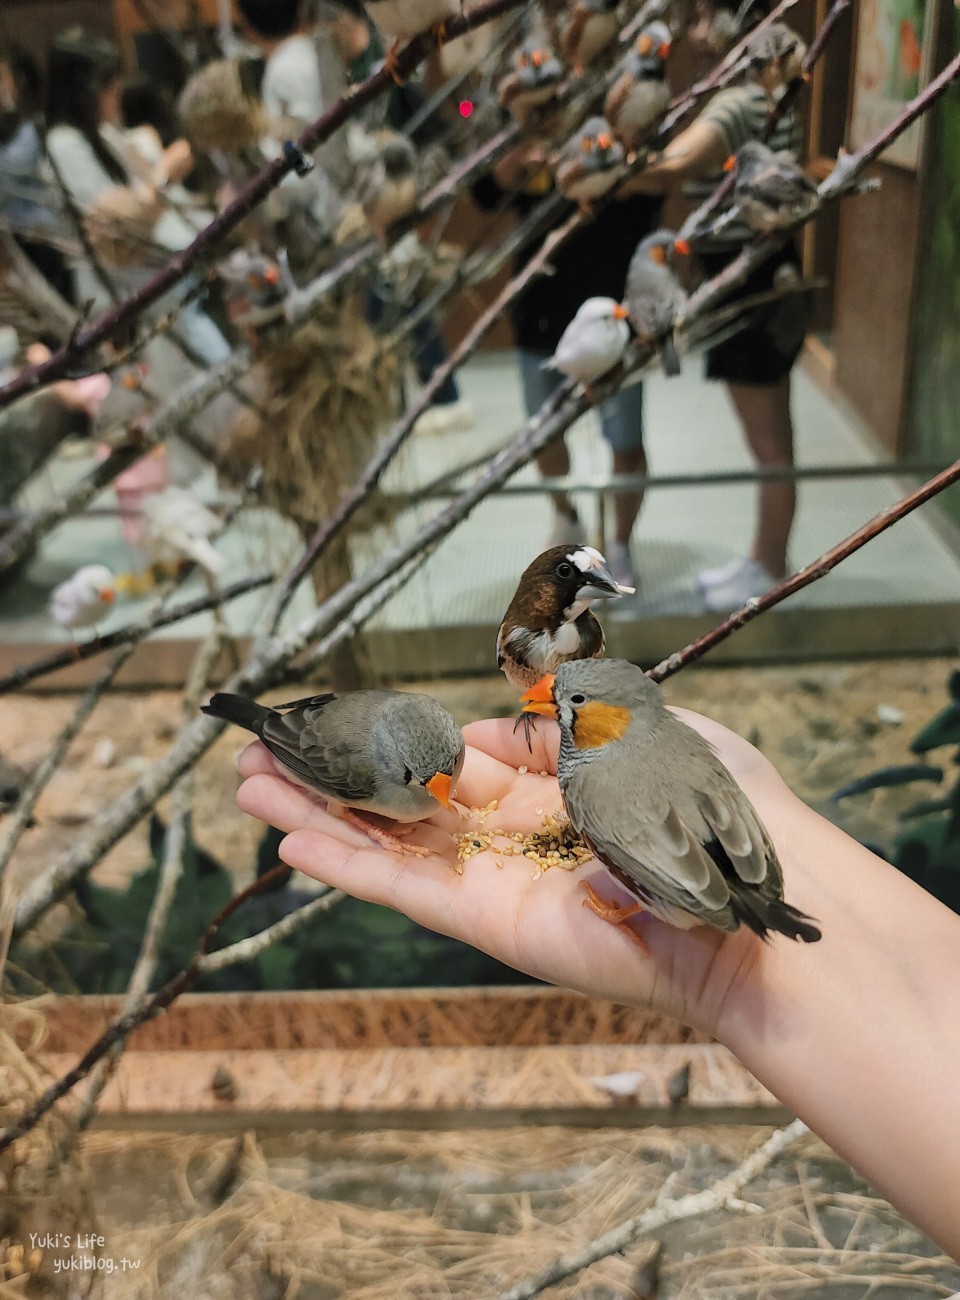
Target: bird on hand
{"type": "Point", "coordinates": [395, 754]}
{"type": "Point", "coordinates": [654, 803]}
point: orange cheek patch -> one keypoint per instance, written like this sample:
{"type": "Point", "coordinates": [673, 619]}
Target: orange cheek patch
{"type": "Point", "coordinates": [597, 724]}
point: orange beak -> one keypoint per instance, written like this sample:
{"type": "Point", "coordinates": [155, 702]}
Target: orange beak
{"type": "Point", "coordinates": [604, 141]}
{"type": "Point", "coordinates": [539, 698]}
{"type": "Point", "coordinates": [664, 50]}
{"type": "Point", "coordinates": [108, 595]}
{"type": "Point", "coordinates": [272, 275]}
{"type": "Point", "coordinates": [729, 165]}
{"type": "Point", "coordinates": [440, 786]}
{"type": "Point", "coordinates": [536, 58]}
{"type": "Point", "coordinates": [681, 246]}
{"type": "Point", "coordinates": [620, 312]}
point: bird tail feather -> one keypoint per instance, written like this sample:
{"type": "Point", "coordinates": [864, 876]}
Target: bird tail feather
{"type": "Point", "coordinates": [207, 556]}
{"type": "Point", "coordinates": [669, 356]}
{"type": "Point", "coordinates": [762, 915]}
{"type": "Point", "coordinates": [238, 709]}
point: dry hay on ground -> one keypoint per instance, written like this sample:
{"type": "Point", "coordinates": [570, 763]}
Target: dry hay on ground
{"type": "Point", "coordinates": [398, 1215]}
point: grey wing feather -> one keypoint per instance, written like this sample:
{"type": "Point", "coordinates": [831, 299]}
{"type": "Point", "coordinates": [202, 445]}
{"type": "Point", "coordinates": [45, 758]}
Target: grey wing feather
{"type": "Point", "coordinates": [777, 185]}
{"type": "Point", "coordinates": [323, 751]}
{"type": "Point", "coordinates": [672, 855]}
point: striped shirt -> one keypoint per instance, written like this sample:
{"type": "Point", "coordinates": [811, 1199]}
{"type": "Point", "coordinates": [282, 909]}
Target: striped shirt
{"type": "Point", "coordinates": [741, 113]}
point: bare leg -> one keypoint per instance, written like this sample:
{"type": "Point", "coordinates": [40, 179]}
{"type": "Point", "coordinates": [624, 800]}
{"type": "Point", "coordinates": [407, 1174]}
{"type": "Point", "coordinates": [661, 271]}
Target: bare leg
{"type": "Point", "coordinates": [376, 833]}
{"type": "Point", "coordinates": [764, 412]}
{"type": "Point", "coordinates": [554, 462]}
{"type": "Point", "coordinates": [627, 504]}
{"type": "Point", "coordinates": [615, 913]}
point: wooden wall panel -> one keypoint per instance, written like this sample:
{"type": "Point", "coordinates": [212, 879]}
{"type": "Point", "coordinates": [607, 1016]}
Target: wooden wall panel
{"type": "Point", "coordinates": [875, 280]}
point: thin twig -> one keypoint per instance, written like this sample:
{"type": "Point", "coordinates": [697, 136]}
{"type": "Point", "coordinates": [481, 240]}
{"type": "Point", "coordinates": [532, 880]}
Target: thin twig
{"type": "Point", "coordinates": [811, 573]}
{"type": "Point", "coordinates": [716, 1197]}
{"type": "Point", "coordinates": [18, 677]}
{"type": "Point", "coordinates": [20, 817]}
{"type": "Point", "coordinates": [202, 963]}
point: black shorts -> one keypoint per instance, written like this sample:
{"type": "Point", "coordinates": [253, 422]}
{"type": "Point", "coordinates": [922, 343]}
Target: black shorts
{"type": "Point", "coordinates": [765, 350]}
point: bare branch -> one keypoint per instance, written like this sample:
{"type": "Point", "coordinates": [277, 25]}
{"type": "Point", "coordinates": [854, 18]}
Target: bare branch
{"type": "Point", "coordinates": [811, 573]}
{"type": "Point", "coordinates": [723, 1194]}
{"type": "Point", "coordinates": [18, 677]}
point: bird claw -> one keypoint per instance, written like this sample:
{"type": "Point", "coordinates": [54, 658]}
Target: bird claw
{"type": "Point", "coordinates": [386, 839]}
{"type": "Point", "coordinates": [528, 722]}
{"type": "Point", "coordinates": [616, 914]}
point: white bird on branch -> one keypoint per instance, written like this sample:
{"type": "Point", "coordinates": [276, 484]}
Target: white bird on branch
{"type": "Point", "coordinates": [177, 528]}
{"type": "Point", "coordinates": [83, 599]}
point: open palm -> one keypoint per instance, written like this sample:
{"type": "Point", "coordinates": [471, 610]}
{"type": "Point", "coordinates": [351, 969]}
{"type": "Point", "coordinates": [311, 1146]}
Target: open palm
{"type": "Point", "coordinates": [540, 925]}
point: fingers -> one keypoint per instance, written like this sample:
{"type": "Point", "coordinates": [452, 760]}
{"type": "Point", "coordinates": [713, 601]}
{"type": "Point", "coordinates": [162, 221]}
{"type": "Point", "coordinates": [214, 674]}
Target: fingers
{"type": "Point", "coordinates": [495, 736]}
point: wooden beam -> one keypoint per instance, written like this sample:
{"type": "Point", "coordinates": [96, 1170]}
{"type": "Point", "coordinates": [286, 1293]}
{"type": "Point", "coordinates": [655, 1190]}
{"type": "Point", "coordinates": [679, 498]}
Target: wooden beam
{"type": "Point", "coordinates": [426, 1087]}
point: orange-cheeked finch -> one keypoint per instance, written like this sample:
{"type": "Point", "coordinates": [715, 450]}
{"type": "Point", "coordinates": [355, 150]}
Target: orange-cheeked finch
{"type": "Point", "coordinates": [639, 97]}
{"type": "Point", "coordinates": [656, 806]}
{"type": "Point", "coordinates": [590, 163]}
{"type": "Point", "coordinates": [549, 619]}
{"type": "Point", "coordinates": [393, 753]}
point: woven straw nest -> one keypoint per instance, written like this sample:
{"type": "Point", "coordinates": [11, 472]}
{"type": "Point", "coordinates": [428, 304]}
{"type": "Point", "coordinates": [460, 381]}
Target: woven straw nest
{"type": "Point", "coordinates": [328, 390]}
{"type": "Point", "coordinates": [217, 111]}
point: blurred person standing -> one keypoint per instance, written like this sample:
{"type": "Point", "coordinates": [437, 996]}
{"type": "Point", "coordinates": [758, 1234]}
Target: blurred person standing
{"type": "Point", "coordinates": [756, 362]}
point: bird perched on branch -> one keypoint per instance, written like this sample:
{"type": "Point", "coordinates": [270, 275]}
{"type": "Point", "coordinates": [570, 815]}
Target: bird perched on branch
{"type": "Point", "coordinates": [83, 599]}
{"type": "Point", "coordinates": [591, 163]}
{"type": "Point", "coordinates": [654, 296]}
{"type": "Point", "coordinates": [656, 806]}
{"type": "Point", "coordinates": [392, 753]}
{"type": "Point", "coordinates": [594, 341]}
{"type": "Point", "coordinates": [387, 186]}
{"type": "Point", "coordinates": [776, 44]}
{"type": "Point", "coordinates": [401, 20]}
{"type": "Point", "coordinates": [771, 190]}
{"type": "Point", "coordinates": [532, 82]}
{"type": "Point", "coordinates": [640, 95]}
{"type": "Point", "coordinates": [177, 528]}
{"type": "Point", "coordinates": [549, 619]}
{"type": "Point", "coordinates": [590, 27]}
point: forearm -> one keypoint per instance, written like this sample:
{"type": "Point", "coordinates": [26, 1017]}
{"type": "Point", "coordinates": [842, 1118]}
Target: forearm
{"type": "Point", "coordinates": [860, 1034]}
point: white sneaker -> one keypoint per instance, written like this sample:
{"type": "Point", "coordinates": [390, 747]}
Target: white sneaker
{"type": "Point", "coordinates": [451, 417]}
{"type": "Point", "coordinates": [751, 579]}
{"type": "Point", "coordinates": [621, 565]}
{"type": "Point", "coordinates": [566, 530]}
{"type": "Point", "coordinates": [722, 574]}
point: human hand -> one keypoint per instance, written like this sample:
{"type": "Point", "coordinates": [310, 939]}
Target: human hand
{"type": "Point", "coordinates": [539, 926]}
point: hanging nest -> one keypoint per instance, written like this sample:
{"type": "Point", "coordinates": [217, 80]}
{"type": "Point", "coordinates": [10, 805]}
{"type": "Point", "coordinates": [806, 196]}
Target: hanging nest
{"type": "Point", "coordinates": [328, 390]}
{"type": "Point", "coordinates": [218, 109]}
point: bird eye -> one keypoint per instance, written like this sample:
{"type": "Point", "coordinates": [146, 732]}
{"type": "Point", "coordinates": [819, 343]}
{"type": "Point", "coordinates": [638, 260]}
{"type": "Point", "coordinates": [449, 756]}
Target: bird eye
{"type": "Point", "coordinates": [578, 699]}
{"type": "Point", "coordinates": [564, 570]}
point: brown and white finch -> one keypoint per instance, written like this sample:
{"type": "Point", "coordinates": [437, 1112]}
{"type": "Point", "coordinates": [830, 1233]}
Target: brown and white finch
{"type": "Point", "coordinates": [590, 26]}
{"type": "Point", "coordinates": [393, 753]}
{"type": "Point", "coordinates": [591, 163]}
{"type": "Point", "coordinates": [387, 187]}
{"type": "Point", "coordinates": [656, 806]}
{"type": "Point", "coordinates": [640, 95]}
{"type": "Point", "coordinates": [654, 296]}
{"type": "Point", "coordinates": [549, 619]}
